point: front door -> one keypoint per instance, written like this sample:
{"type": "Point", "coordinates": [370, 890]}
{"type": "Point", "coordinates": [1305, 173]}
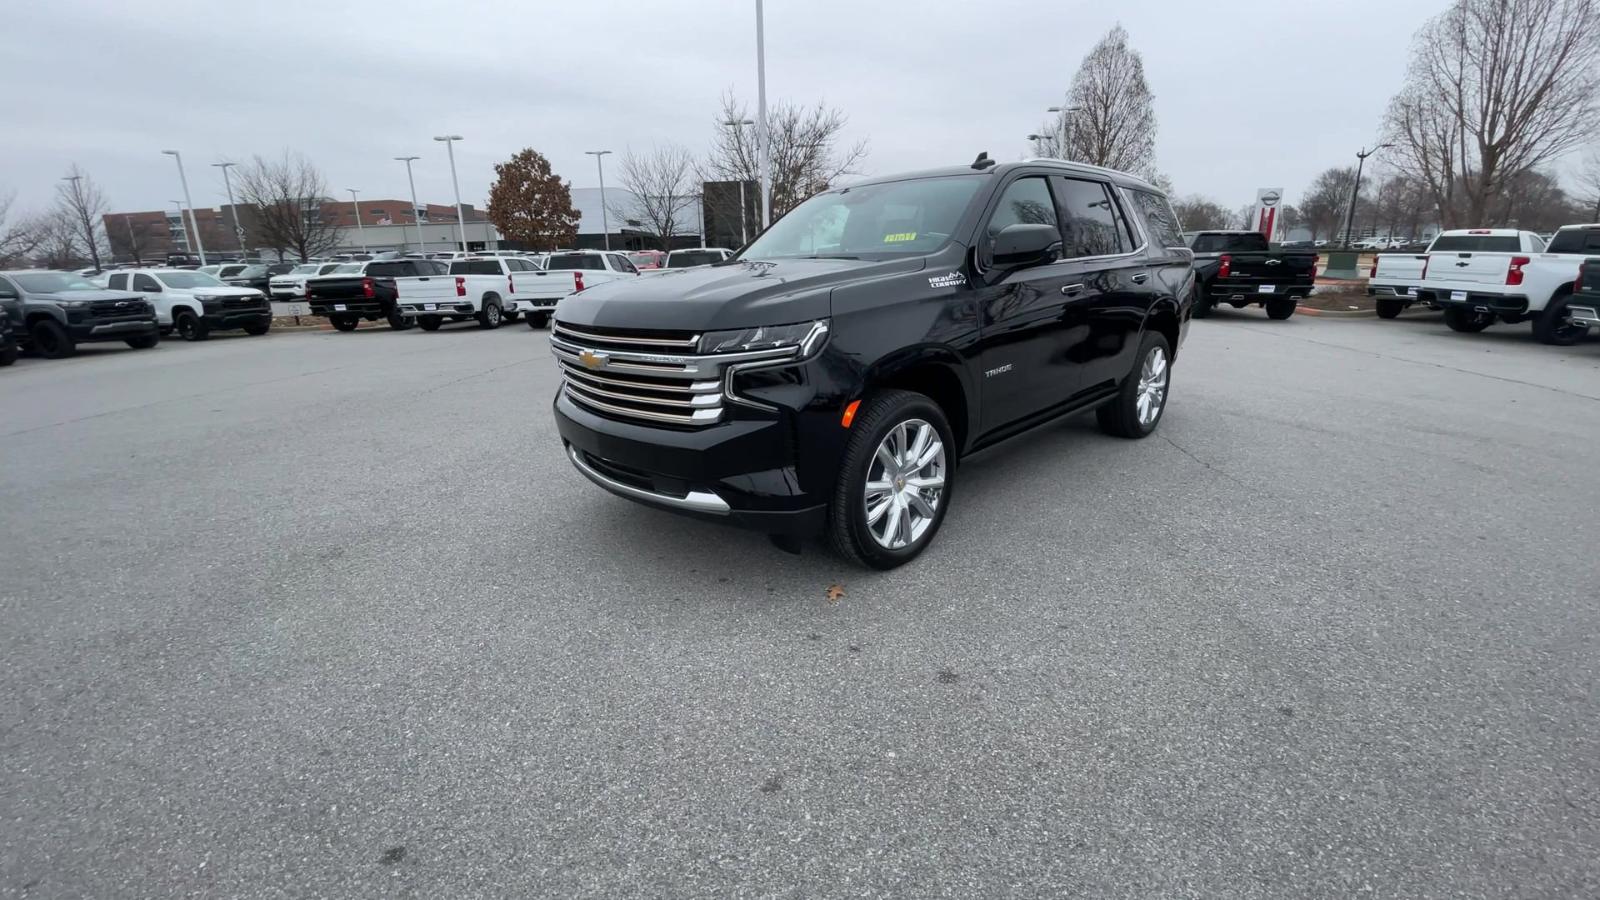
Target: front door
{"type": "Point", "coordinates": [1023, 365]}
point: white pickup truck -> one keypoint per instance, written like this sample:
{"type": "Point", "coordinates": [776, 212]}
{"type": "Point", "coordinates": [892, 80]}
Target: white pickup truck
{"type": "Point", "coordinates": [491, 289]}
{"type": "Point", "coordinates": [1476, 289]}
{"type": "Point", "coordinates": [1396, 278]}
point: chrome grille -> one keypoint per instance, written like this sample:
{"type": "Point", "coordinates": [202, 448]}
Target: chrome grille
{"type": "Point", "coordinates": [646, 376]}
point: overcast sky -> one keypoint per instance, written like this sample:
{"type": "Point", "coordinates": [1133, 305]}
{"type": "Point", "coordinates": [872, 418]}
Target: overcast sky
{"type": "Point", "coordinates": [1248, 93]}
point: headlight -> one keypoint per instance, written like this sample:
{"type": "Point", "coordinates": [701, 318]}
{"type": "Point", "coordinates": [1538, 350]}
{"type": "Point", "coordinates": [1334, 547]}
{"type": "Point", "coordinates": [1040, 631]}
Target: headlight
{"type": "Point", "coordinates": [803, 335]}
{"type": "Point", "coordinates": [74, 304]}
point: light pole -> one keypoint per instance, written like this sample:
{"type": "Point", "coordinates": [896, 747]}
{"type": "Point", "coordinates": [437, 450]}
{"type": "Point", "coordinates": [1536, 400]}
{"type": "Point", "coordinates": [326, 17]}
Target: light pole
{"type": "Point", "coordinates": [361, 233]}
{"type": "Point", "coordinates": [599, 164]}
{"type": "Point", "coordinates": [744, 231]}
{"type": "Point", "coordinates": [415, 216]}
{"type": "Point", "coordinates": [238, 232]}
{"type": "Point", "coordinates": [1355, 189]}
{"type": "Point", "coordinates": [763, 138]}
{"type": "Point", "coordinates": [199, 245]}
{"type": "Point", "coordinates": [1066, 124]}
{"type": "Point", "coordinates": [461, 223]}
{"type": "Point", "coordinates": [83, 219]}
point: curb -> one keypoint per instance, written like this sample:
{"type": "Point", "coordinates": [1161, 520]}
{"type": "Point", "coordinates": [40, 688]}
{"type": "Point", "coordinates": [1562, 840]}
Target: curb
{"type": "Point", "coordinates": [1336, 313]}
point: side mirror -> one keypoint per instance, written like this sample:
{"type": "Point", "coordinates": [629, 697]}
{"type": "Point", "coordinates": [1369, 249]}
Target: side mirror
{"type": "Point", "coordinates": [1025, 245]}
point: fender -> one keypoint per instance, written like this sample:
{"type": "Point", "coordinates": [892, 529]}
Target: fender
{"type": "Point", "coordinates": [899, 365]}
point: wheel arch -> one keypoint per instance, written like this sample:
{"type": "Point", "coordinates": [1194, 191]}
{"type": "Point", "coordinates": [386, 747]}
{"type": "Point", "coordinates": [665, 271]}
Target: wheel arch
{"type": "Point", "coordinates": [1165, 319]}
{"type": "Point", "coordinates": [937, 372]}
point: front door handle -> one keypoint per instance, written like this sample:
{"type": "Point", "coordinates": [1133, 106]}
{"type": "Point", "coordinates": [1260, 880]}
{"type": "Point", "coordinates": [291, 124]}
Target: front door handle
{"type": "Point", "coordinates": [1070, 289]}
{"type": "Point", "coordinates": [1141, 278]}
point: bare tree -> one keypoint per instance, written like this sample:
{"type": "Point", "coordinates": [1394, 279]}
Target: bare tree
{"type": "Point", "coordinates": [282, 201]}
{"type": "Point", "coordinates": [1197, 213]}
{"type": "Point", "coordinates": [80, 201]}
{"type": "Point", "coordinates": [1322, 207]}
{"type": "Point", "coordinates": [19, 236]}
{"type": "Point", "coordinates": [1495, 88]}
{"type": "Point", "coordinates": [59, 244]}
{"type": "Point", "coordinates": [662, 183]}
{"type": "Point", "coordinates": [1112, 121]}
{"type": "Point", "coordinates": [805, 151]}
{"type": "Point", "coordinates": [1589, 183]}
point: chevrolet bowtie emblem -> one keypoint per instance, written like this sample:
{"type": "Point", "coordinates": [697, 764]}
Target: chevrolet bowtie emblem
{"type": "Point", "coordinates": [592, 359]}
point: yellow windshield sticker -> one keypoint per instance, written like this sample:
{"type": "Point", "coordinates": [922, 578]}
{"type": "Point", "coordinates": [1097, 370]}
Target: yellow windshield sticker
{"type": "Point", "coordinates": [899, 236]}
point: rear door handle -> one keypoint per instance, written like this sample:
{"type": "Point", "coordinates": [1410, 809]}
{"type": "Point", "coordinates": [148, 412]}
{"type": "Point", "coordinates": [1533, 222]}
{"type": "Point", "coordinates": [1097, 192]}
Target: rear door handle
{"type": "Point", "coordinates": [1070, 289]}
{"type": "Point", "coordinates": [1141, 278]}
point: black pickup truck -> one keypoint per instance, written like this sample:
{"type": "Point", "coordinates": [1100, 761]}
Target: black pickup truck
{"type": "Point", "coordinates": [1240, 268]}
{"type": "Point", "coordinates": [1583, 306]}
{"type": "Point", "coordinates": [832, 376]}
{"type": "Point", "coordinates": [365, 290]}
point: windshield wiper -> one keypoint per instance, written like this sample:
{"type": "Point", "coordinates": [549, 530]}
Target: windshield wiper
{"type": "Point", "coordinates": [831, 256]}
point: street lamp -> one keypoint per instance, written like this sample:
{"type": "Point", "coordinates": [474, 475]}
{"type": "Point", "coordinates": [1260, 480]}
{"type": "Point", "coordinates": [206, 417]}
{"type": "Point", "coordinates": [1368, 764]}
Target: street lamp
{"type": "Point", "coordinates": [415, 216]}
{"type": "Point", "coordinates": [83, 219]}
{"type": "Point", "coordinates": [1355, 189]}
{"type": "Point", "coordinates": [450, 147]}
{"type": "Point", "coordinates": [763, 138]}
{"type": "Point", "coordinates": [599, 164]}
{"type": "Point", "coordinates": [1066, 124]}
{"type": "Point", "coordinates": [744, 231]}
{"type": "Point", "coordinates": [199, 245]}
{"type": "Point", "coordinates": [182, 227]}
{"type": "Point", "coordinates": [238, 232]}
{"type": "Point", "coordinates": [361, 233]}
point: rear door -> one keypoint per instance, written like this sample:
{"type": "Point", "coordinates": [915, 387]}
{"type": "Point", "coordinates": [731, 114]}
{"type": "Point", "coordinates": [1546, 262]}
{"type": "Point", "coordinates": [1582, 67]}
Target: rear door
{"type": "Point", "coordinates": [1106, 315]}
{"type": "Point", "coordinates": [1024, 366]}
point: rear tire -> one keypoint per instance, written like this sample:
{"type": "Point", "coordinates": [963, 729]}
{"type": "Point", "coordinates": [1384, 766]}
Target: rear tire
{"type": "Point", "coordinates": [510, 315]}
{"type": "Point", "coordinates": [1203, 304]}
{"type": "Point", "coordinates": [8, 355]}
{"type": "Point", "coordinates": [1137, 408]}
{"type": "Point", "coordinates": [51, 340]}
{"type": "Point", "coordinates": [490, 316]}
{"type": "Point", "coordinates": [143, 341]}
{"type": "Point", "coordinates": [398, 322]}
{"type": "Point", "coordinates": [1389, 308]}
{"type": "Point", "coordinates": [430, 323]}
{"type": "Point", "coordinates": [900, 503]}
{"type": "Point", "coordinates": [1466, 321]}
{"type": "Point", "coordinates": [1281, 307]}
{"type": "Point", "coordinates": [1555, 326]}
{"type": "Point", "coordinates": [538, 320]}
{"type": "Point", "coordinates": [190, 327]}
{"type": "Point", "coordinates": [346, 323]}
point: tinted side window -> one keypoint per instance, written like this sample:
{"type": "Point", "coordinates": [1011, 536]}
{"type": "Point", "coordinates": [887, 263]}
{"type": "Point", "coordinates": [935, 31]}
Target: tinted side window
{"type": "Point", "coordinates": [1090, 220]}
{"type": "Point", "coordinates": [623, 265]}
{"type": "Point", "coordinates": [1160, 222]}
{"type": "Point", "coordinates": [475, 267]}
{"type": "Point", "coordinates": [1575, 240]}
{"type": "Point", "coordinates": [143, 282]}
{"type": "Point", "coordinates": [118, 282]}
{"type": "Point", "coordinates": [1026, 201]}
{"type": "Point", "coordinates": [7, 289]}
{"type": "Point", "coordinates": [391, 270]}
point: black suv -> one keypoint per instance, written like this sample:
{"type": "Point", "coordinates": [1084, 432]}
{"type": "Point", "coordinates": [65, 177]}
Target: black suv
{"type": "Point", "coordinates": [832, 375]}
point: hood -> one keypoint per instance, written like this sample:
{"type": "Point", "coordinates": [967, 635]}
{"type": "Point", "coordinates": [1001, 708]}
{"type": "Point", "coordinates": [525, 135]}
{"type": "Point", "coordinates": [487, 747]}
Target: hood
{"type": "Point", "coordinates": [90, 295]}
{"type": "Point", "coordinates": [736, 295]}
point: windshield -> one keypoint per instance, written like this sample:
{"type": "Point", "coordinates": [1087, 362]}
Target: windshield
{"type": "Point", "coordinates": [347, 269]}
{"type": "Point", "coordinates": [305, 270]}
{"type": "Point", "coordinates": [684, 259]}
{"type": "Point", "coordinates": [1479, 243]}
{"type": "Point", "coordinates": [230, 271]}
{"type": "Point", "coordinates": [183, 280]}
{"type": "Point", "coordinates": [54, 282]}
{"type": "Point", "coordinates": [1225, 243]}
{"type": "Point", "coordinates": [589, 262]}
{"type": "Point", "coordinates": [251, 272]}
{"type": "Point", "coordinates": [872, 221]}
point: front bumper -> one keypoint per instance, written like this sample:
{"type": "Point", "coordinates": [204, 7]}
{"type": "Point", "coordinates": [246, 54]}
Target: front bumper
{"type": "Point", "coordinates": [739, 471]}
{"type": "Point", "coordinates": [93, 330]}
{"type": "Point", "coordinates": [1499, 304]}
{"type": "Point", "coordinates": [224, 319]}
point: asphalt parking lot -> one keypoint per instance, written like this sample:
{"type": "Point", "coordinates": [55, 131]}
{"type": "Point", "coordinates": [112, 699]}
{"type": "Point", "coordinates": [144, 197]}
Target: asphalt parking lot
{"type": "Point", "coordinates": [331, 615]}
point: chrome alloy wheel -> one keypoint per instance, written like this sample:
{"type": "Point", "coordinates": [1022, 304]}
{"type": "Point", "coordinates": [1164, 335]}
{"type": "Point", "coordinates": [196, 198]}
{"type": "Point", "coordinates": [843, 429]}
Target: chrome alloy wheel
{"type": "Point", "coordinates": [1152, 386]}
{"type": "Point", "coordinates": [905, 482]}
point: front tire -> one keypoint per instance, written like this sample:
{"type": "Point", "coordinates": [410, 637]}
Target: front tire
{"type": "Point", "coordinates": [190, 327]}
{"type": "Point", "coordinates": [1555, 326]}
{"type": "Point", "coordinates": [894, 482]}
{"type": "Point", "coordinates": [538, 320]}
{"type": "Point", "coordinates": [1389, 308]}
{"type": "Point", "coordinates": [1281, 308]}
{"type": "Point", "coordinates": [50, 340]}
{"type": "Point", "coordinates": [8, 355]}
{"type": "Point", "coordinates": [490, 317]}
{"type": "Point", "coordinates": [430, 323]}
{"type": "Point", "coordinates": [143, 341]}
{"type": "Point", "coordinates": [257, 329]}
{"type": "Point", "coordinates": [1137, 408]}
{"type": "Point", "coordinates": [1467, 321]}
